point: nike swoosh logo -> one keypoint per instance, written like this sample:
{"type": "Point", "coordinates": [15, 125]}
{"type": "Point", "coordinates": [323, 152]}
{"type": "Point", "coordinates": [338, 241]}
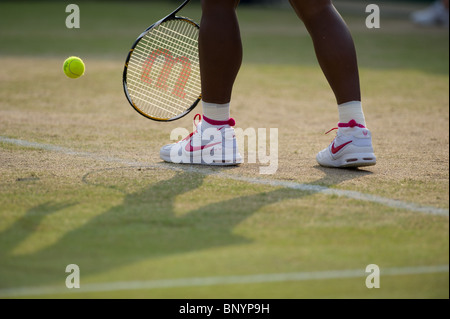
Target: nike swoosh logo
{"type": "Point", "coordinates": [190, 148]}
{"type": "Point", "coordinates": [334, 149]}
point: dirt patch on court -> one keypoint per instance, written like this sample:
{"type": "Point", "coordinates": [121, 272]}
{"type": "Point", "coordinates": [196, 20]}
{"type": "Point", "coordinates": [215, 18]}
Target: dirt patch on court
{"type": "Point", "coordinates": [409, 124]}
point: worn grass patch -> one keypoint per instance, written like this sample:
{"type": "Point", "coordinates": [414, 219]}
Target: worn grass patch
{"type": "Point", "coordinates": [105, 202]}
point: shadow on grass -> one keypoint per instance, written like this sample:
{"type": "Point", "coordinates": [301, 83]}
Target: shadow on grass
{"type": "Point", "coordinates": [143, 226]}
{"type": "Point", "coordinates": [335, 176]}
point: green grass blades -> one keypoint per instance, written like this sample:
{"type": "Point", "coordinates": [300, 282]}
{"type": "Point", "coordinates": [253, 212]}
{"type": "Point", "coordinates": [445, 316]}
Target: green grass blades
{"type": "Point", "coordinates": [81, 181]}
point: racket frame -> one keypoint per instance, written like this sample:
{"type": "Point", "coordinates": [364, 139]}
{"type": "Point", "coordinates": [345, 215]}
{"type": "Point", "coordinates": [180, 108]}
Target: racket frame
{"type": "Point", "coordinates": [171, 16]}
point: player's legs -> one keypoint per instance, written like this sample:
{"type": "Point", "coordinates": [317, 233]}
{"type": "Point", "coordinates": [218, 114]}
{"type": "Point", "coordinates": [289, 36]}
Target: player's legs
{"type": "Point", "coordinates": [337, 57]}
{"type": "Point", "coordinates": [220, 48]}
{"type": "Point", "coordinates": [334, 47]}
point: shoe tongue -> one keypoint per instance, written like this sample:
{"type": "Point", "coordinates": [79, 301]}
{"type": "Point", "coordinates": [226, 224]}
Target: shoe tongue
{"type": "Point", "coordinates": [203, 126]}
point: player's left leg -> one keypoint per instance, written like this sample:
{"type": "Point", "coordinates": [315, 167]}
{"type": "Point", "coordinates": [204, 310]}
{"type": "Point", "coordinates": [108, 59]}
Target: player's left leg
{"type": "Point", "coordinates": [337, 57]}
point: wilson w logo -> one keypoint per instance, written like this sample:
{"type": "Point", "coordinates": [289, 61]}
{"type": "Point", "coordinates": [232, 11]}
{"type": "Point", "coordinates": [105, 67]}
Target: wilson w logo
{"type": "Point", "coordinates": [166, 71]}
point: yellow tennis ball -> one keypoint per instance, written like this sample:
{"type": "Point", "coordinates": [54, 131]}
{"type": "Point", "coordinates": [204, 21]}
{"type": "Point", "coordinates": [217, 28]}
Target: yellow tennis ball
{"type": "Point", "coordinates": [73, 67]}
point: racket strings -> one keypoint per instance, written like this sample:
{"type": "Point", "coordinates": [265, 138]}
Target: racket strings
{"type": "Point", "coordinates": [163, 76]}
{"type": "Point", "coordinates": [143, 55]}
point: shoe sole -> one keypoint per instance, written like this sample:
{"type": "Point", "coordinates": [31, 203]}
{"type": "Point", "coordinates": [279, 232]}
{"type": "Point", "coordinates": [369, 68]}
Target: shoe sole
{"type": "Point", "coordinates": [352, 161]}
{"type": "Point", "coordinates": [213, 163]}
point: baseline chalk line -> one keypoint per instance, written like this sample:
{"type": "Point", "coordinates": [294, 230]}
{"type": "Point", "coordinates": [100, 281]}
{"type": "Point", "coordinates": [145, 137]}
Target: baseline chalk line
{"type": "Point", "coordinates": [214, 281]}
{"type": "Point", "coordinates": [260, 181]}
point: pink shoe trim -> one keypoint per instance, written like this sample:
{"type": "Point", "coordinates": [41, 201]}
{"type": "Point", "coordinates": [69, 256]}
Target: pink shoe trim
{"type": "Point", "coordinates": [230, 122]}
{"type": "Point", "coordinates": [351, 124]}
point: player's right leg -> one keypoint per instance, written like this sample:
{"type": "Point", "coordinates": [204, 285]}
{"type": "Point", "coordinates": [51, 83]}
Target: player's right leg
{"type": "Point", "coordinates": [220, 49]}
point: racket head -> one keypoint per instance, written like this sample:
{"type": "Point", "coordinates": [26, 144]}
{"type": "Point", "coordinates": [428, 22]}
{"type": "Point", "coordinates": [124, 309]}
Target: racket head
{"type": "Point", "coordinates": [161, 78]}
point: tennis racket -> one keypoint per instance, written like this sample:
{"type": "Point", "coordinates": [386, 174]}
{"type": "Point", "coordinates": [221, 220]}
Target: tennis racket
{"type": "Point", "coordinates": [161, 78]}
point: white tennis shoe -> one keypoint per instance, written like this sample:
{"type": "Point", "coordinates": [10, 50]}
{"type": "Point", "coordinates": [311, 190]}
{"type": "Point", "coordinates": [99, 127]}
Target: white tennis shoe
{"type": "Point", "coordinates": [214, 145]}
{"type": "Point", "coordinates": [435, 14]}
{"type": "Point", "coordinates": [352, 147]}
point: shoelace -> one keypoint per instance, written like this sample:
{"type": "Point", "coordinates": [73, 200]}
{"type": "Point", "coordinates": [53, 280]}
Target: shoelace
{"type": "Point", "coordinates": [199, 117]}
{"type": "Point", "coordinates": [350, 124]}
{"type": "Point", "coordinates": [230, 122]}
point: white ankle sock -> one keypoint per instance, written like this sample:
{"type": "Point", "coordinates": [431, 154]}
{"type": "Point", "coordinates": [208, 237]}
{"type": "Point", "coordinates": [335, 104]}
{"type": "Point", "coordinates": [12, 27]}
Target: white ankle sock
{"type": "Point", "coordinates": [216, 112]}
{"type": "Point", "coordinates": [351, 111]}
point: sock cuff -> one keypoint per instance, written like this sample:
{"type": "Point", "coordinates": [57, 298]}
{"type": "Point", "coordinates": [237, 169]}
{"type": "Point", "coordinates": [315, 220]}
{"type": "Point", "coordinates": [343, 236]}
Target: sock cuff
{"type": "Point", "coordinates": [351, 111]}
{"type": "Point", "coordinates": [214, 105]}
{"type": "Point", "coordinates": [351, 104]}
{"type": "Point", "coordinates": [230, 121]}
{"type": "Point", "coordinates": [217, 112]}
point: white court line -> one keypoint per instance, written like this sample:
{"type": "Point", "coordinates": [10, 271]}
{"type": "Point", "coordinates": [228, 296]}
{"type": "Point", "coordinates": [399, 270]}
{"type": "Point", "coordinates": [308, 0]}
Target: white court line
{"type": "Point", "coordinates": [213, 281]}
{"type": "Point", "coordinates": [206, 171]}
